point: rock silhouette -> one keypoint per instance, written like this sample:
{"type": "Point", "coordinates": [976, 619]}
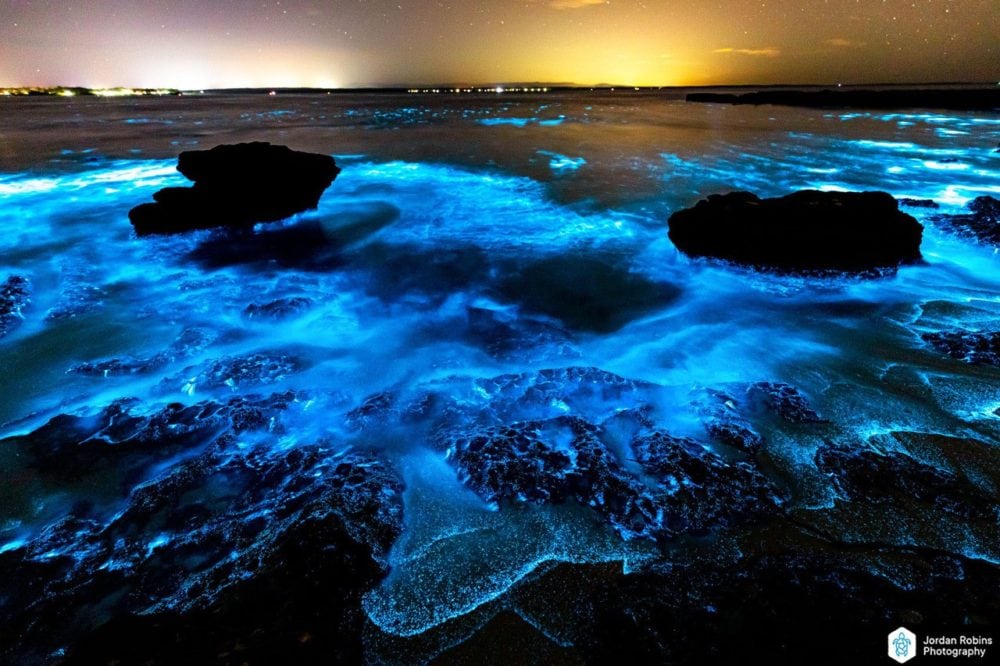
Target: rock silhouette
{"type": "Point", "coordinates": [237, 186]}
{"type": "Point", "coordinates": [804, 231]}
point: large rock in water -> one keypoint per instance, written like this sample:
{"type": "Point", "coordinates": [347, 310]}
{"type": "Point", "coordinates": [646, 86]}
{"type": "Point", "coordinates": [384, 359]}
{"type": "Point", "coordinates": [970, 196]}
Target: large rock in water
{"type": "Point", "coordinates": [804, 231]}
{"type": "Point", "coordinates": [237, 186]}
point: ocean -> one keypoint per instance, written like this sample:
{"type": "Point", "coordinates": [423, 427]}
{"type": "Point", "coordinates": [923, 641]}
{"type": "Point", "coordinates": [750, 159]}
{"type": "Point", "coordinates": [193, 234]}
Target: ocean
{"type": "Point", "coordinates": [486, 262]}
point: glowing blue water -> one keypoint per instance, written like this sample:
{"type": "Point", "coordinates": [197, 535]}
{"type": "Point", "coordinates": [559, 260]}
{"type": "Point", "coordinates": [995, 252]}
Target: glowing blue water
{"type": "Point", "coordinates": [583, 181]}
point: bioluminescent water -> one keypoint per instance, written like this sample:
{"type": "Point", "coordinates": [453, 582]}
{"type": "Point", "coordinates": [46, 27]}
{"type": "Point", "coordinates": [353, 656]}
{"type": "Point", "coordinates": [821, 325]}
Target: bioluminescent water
{"type": "Point", "coordinates": [483, 263]}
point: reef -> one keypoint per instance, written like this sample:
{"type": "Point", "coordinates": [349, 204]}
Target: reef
{"type": "Point", "coordinates": [237, 186]}
{"type": "Point", "coordinates": [804, 231]}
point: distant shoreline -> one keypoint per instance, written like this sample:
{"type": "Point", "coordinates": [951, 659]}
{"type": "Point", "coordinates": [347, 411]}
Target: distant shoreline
{"type": "Point", "coordinates": [954, 95]}
{"type": "Point", "coordinates": [981, 99]}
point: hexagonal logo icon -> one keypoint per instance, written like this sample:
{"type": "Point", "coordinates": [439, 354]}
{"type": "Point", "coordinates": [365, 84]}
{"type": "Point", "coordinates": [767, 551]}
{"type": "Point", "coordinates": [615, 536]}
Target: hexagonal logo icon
{"type": "Point", "coordinates": [902, 645]}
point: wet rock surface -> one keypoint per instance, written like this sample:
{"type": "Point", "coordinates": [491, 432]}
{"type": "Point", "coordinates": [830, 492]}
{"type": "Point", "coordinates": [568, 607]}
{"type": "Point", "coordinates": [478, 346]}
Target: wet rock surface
{"type": "Point", "coordinates": [281, 308]}
{"type": "Point", "coordinates": [702, 490]}
{"type": "Point", "coordinates": [785, 401]}
{"type": "Point", "coordinates": [232, 535]}
{"type": "Point", "coordinates": [237, 186]}
{"type": "Point", "coordinates": [982, 222]}
{"type": "Point", "coordinates": [237, 551]}
{"type": "Point", "coordinates": [565, 458]}
{"type": "Point", "coordinates": [805, 231]}
{"type": "Point", "coordinates": [969, 346]}
{"type": "Point", "coordinates": [15, 294]}
{"type": "Point", "coordinates": [237, 371]}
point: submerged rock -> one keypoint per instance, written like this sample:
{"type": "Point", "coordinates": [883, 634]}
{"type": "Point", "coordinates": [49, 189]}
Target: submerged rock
{"type": "Point", "coordinates": [237, 186]}
{"type": "Point", "coordinates": [804, 231]}
{"type": "Point", "coordinates": [281, 308]}
{"type": "Point", "coordinates": [508, 336]}
{"type": "Point", "coordinates": [982, 222]}
{"type": "Point", "coordinates": [15, 293]}
{"type": "Point", "coordinates": [585, 294]}
{"type": "Point", "coordinates": [900, 486]}
{"type": "Point", "coordinates": [190, 341]}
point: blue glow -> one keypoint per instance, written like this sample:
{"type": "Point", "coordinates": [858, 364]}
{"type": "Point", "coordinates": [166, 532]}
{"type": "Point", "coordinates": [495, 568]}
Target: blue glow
{"type": "Point", "coordinates": [552, 122]}
{"type": "Point", "coordinates": [515, 122]}
{"type": "Point", "coordinates": [559, 162]}
{"type": "Point", "coordinates": [403, 273]}
{"type": "Point", "coordinates": [12, 545]}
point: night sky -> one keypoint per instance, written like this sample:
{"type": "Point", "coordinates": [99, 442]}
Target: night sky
{"type": "Point", "coordinates": [331, 43]}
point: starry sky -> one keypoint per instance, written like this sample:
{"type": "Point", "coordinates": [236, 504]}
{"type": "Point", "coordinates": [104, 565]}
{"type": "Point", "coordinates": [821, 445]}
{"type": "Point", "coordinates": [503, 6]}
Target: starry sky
{"type": "Point", "coordinates": [342, 43]}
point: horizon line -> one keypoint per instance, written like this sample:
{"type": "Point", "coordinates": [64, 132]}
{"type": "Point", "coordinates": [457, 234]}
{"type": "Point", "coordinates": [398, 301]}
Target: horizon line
{"type": "Point", "coordinates": [500, 86]}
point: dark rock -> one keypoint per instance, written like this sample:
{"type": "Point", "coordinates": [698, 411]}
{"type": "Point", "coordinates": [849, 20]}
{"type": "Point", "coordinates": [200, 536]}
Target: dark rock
{"type": "Point", "coordinates": [785, 401]}
{"type": "Point", "coordinates": [237, 186]}
{"type": "Point", "coordinates": [986, 99]}
{"type": "Point", "coordinates": [702, 490]}
{"type": "Point", "coordinates": [969, 346]}
{"type": "Point", "coordinates": [70, 447]}
{"type": "Point", "coordinates": [982, 222]}
{"type": "Point", "coordinates": [508, 336]}
{"type": "Point", "coordinates": [585, 294]}
{"type": "Point", "coordinates": [118, 367]}
{"type": "Point", "coordinates": [261, 555]}
{"type": "Point", "coordinates": [586, 391]}
{"type": "Point", "coordinates": [237, 372]}
{"type": "Point", "coordinates": [737, 435]}
{"type": "Point", "coordinates": [375, 409]}
{"type": "Point", "coordinates": [277, 309]}
{"type": "Point", "coordinates": [123, 435]}
{"type": "Point", "coordinates": [553, 461]}
{"type": "Point", "coordinates": [918, 203]}
{"type": "Point", "coordinates": [15, 294]}
{"type": "Point", "coordinates": [565, 458]}
{"type": "Point", "coordinates": [894, 481]}
{"type": "Point", "coordinates": [804, 231]}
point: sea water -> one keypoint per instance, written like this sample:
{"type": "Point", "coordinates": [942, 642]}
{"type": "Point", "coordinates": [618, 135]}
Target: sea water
{"type": "Point", "coordinates": [440, 197]}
